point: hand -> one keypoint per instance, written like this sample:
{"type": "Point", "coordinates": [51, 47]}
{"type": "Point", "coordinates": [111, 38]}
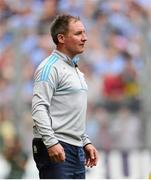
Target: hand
{"type": "Point", "coordinates": [56, 153]}
{"type": "Point", "coordinates": [91, 155]}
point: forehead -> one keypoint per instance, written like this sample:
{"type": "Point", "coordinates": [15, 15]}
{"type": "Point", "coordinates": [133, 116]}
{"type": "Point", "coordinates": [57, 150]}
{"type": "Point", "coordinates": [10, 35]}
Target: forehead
{"type": "Point", "coordinates": [76, 26]}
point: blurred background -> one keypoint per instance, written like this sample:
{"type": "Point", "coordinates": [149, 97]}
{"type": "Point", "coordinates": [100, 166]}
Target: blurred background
{"type": "Point", "coordinates": [117, 69]}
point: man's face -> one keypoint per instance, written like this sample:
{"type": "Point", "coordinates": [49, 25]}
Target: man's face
{"type": "Point", "coordinates": [75, 38]}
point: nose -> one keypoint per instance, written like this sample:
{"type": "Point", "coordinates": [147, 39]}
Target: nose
{"type": "Point", "coordinates": [84, 37]}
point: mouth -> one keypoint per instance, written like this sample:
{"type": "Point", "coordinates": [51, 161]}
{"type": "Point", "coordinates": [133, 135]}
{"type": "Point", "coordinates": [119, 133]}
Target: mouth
{"type": "Point", "coordinates": [82, 45]}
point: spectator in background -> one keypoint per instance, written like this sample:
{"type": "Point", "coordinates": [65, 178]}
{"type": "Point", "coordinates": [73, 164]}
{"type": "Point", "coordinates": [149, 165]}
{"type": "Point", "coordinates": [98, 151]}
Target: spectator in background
{"type": "Point", "coordinates": [126, 132]}
{"type": "Point", "coordinates": [129, 77]}
{"type": "Point", "coordinates": [103, 138]}
{"type": "Point", "coordinates": [7, 128]}
{"type": "Point", "coordinates": [16, 157]}
{"type": "Point", "coordinates": [48, 13]}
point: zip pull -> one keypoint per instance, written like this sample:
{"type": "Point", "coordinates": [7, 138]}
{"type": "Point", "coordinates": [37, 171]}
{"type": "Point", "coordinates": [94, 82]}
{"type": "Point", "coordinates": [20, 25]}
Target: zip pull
{"type": "Point", "coordinates": [76, 65]}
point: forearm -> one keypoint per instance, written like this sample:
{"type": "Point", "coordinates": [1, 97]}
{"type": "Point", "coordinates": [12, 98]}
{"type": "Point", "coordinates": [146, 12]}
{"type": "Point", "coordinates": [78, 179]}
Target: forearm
{"type": "Point", "coordinates": [42, 123]}
{"type": "Point", "coordinates": [40, 112]}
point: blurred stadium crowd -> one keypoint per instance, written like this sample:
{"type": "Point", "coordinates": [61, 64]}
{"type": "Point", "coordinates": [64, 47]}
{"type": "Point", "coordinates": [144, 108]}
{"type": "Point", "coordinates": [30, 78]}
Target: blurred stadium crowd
{"type": "Point", "coordinates": [111, 64]}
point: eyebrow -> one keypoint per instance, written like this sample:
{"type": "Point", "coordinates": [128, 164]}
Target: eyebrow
{"type": "Point", "coordinates": [80, 31]}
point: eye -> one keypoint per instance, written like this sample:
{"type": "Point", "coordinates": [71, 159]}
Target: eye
{"type": "Point", "coordinates": [81, 33]}
{"type": "Point", "coordinates": [78, 33]}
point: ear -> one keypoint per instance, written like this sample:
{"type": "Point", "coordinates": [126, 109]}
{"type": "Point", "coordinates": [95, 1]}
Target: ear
{"type": "Point", "coordinates": [61, 38]}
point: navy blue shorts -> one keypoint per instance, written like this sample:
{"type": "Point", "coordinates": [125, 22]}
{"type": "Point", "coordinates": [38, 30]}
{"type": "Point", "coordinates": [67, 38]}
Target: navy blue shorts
{"type": "Point", "coordinates": [72, 168]}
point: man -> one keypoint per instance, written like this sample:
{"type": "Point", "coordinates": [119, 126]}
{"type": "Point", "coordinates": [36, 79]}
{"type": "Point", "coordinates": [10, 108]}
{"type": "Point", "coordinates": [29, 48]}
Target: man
{"type": "Point", "coordinates": [60, 145]}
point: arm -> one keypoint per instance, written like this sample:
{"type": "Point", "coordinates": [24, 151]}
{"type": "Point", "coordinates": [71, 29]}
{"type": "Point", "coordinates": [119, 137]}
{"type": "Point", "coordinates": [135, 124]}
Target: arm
{"type": "Point", "coordinates": [42, 95]}
{"type": "Point", "coordinates": [40, 105]}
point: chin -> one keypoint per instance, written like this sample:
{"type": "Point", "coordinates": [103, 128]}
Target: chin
{"type": "Point", "coordinates": [81, 51]}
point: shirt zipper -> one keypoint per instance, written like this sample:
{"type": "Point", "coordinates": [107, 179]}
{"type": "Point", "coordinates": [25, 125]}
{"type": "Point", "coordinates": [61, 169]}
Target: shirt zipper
{"type": "Point", "coordinates": [79, 77]}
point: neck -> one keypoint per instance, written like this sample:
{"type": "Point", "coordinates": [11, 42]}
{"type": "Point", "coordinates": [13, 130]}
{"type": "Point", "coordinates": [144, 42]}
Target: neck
{"type": "Point", "coordinates": [64, 51]}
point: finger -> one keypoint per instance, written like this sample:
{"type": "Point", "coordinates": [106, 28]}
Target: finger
{"type": "Point", "coordinates": [96, 157]}
{"type": "Point", "coordinates": [90, 158]}
{"type": "Point", "coordinates": [88, 161]}
{"type": "Point", "coordinates": [92, 163]}
{"type": "Point", "coordinates": [95, 160]}
{"type": "Point", "coordinates": [55, 158]}
{"type": "Point", "coordinates": [62, 156]}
